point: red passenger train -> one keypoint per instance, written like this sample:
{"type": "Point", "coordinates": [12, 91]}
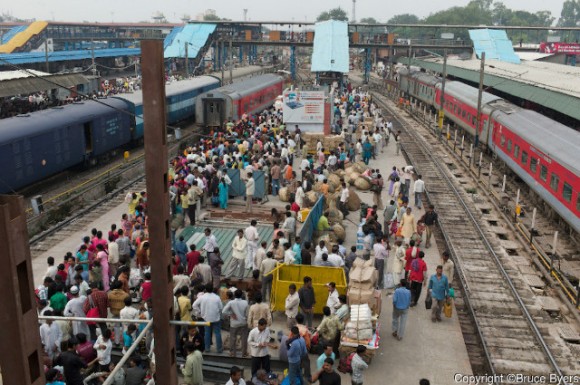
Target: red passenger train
{"type": "Point", "coordinates": [230, 102]}
{"type": "Point", "coordinates": [542, 152]}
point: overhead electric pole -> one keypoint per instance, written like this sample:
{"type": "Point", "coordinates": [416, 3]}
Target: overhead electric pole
{"type": "Point", "coordinates": [442, 99]}
{"type": "Point", "coordinates": [353, 11]}
{"type": "Point", "coordinates": [479, 96]}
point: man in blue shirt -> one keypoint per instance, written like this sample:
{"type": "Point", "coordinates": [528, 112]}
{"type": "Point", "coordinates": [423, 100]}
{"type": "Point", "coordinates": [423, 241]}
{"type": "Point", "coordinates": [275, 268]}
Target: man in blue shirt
{"type": "Point", "coordinates": [439, 289]}
{"type": "Point", "coordinates": [296, 350]}
{"type": "Point", "coordinates": [401, 303]}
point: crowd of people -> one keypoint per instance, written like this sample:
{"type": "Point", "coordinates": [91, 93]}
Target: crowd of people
{"type": "Point", "coordinates": [108, 275]}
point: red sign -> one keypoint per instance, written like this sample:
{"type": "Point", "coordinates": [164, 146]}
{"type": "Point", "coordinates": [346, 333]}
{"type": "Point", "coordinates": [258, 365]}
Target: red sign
{"type": "Point", "coordinates": [569, 48]}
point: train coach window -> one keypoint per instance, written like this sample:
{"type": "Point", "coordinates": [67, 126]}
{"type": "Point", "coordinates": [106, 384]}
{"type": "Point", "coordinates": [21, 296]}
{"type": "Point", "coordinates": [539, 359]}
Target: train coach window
{"type": "Point", "coordinates": [534, 165]}
{"type": "Point", "coordinates": [578, 203]}
{"type": "Point", "coordinates": [567, 192]}
{"type": "Point", "coordinates": [544, 173]}
{"type": "Point", "coordinates": [516, 151]}
{"type": "Point", "coordinates": [524, 157]}
{"type": "Point", "coordinates": [554, 182]}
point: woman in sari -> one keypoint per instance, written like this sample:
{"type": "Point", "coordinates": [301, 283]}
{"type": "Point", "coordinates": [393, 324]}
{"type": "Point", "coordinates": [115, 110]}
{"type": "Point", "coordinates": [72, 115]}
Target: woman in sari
{"type": "Point", "coordinates": [392, 177]}
{"type": "Point", "coordinates": [103, 259]}
{"type": "Point", "coordinates": [223, 194]}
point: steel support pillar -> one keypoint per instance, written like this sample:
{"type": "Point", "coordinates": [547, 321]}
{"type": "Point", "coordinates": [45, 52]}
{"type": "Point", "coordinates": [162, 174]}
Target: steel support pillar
{"type": "Point", "coordinates": [368, 65]}
{"type": "Point", "coordinates": [158, 210]}
{"type": "Point", "coordinates": [293, 62]}
{"type": "Point", "coordinates": [241, 56]}
{"type": "Point", "coordinates": [20, 347]}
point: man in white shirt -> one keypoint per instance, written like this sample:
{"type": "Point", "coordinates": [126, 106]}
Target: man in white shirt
{"type": "Point", "coordinates": [381, 254]}
{"type": "Point", "coordinates": [335, 259]}
{"type": "Point", "coordinates": [239, 254]}
{"type": "Point", "coordinates": [419, 189]}
{"type": "Point", "coordinates": [210, 307]}
{"type": "Point", "coordinates": [258, 340]}
{"type": "Point", "coordinates": [332, 160]}
{"type": "Point", "coordinates": [103, 346]}
{"type": "Point", "coordinates": [291, 306]}
{"type": "Point", "coordinates": [210, 241]}
{"type": "Point", "coordinates": [250, 189]}
{"type": "Point", "coordinates": [128, 312]}
{"type": "Point", "coordinates": [50, 336]}
{"type": "Point", "coordinates": [252, 236]}
{"type": "Point", "coordinates": [344, 194]}
{"type": "Point", "coordinates": [318, 251]}
{"type": "Point", "coordinates": [332, 302]}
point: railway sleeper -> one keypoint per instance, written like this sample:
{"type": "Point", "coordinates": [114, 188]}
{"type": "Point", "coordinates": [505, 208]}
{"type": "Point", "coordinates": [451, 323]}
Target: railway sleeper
{"type": "Point", "coordinates": [507, 366]}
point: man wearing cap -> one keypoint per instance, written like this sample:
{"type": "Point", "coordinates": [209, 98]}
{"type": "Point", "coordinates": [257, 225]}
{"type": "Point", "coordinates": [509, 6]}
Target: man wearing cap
{"type": "Point", "coordinates": [332, 302]}
{"type": "Point", "coordinates": [74, 308]}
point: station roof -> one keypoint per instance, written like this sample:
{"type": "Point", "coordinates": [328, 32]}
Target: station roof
{"type": "Point", "coordinates": [31, 84]}
{"type": "Point", "coordinates": [40, 57]}
{"type": "Point", "coordinates": [193, 35]}
{"type": "Point", "coordinates": [331, 51]}
{"type": "Point", "coordinates": [551, 85]}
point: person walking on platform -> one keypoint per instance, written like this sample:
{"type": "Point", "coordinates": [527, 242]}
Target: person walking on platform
{"type": "Point", "coordinates": [239, 254]}
{"type": "Point", "coordinates": [439, 289]}
{"type": "Point", "coordinates": [237, 309]}
{"type": "Point", "coordinates": [419, 189]}
{"type": "Point", "coordinates": [429, 219]}
{"type": "Point", "coordinates": [418, 277]}
{"type": "Point", "coordinates": [401, 303]}
{"type": "Point", "coordinates": [408, 224]}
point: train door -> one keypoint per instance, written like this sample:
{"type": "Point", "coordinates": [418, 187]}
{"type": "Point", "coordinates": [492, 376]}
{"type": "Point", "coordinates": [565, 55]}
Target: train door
{"type": "Point", "coordinates": [88, 128]}
{"type": "Point", "coordinates": [213, 111]}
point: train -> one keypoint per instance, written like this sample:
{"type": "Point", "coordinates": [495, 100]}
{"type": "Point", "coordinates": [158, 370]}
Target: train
{"type": "Point", "coordinates": [541, 151]}
{"type": "Point", "coordinates": [230, 102]}
{"type": "Point", "coordinates": [41, 144]}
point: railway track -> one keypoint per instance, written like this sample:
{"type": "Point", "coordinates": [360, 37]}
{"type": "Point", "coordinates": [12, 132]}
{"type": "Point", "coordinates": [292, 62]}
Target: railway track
{"type": "Point", "coordinates": [516, 333]}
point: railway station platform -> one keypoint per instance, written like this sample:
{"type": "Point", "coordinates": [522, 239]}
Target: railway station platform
{"type": "Point", "coordinates": [435, 351]}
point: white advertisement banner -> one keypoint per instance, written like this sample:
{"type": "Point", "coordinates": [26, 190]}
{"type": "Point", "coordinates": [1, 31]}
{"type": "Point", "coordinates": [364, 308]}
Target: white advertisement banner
{"type": "Point", "coordinates": [303, 106]}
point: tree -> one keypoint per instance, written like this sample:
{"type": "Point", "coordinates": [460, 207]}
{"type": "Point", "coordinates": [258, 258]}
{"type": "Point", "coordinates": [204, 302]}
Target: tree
{"type": "Point", "coordinates": [405, 18]}
{"type": "Point", "coordinates": [333, 14]}
{"type": "Point", "coordinates": [570, 15]}
{"type": "Point", "coordinates": [368, 20]}
{"type": "Point", "coordinates": [211, 17]}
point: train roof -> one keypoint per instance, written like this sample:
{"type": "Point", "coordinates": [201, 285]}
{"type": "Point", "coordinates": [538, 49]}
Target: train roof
{"type": "Point", "coordinates": [249, 86]}
{"type": "Point", "coordinates": [467, 94]}
{"type": "Point", "coordinates": [423, 77]}
{"type": "Point", "coordinates": [173, 88]}
{"type": "Point", "coordinates": [39, 122]}
{"type": "Point", "coordinates": [552, 138]}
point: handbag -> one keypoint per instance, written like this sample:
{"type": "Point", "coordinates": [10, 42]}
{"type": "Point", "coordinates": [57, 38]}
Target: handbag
{"type": "Point", "coordinates": [428, 301]}
{"type": "Point", "coordinates": [92, 313]}
{"type": "Point", "coordinates": [447, 308]}
{"type": "Point", "coordinates": [399, 232]}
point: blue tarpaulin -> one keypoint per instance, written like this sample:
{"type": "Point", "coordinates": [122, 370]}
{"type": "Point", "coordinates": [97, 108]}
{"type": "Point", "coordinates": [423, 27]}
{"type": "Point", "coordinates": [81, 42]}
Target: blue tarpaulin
{"type": "Point", "coordinates": [194, 35]}
{"type": "Point", "coordinates": [330, 53]}
{"type": "Point", "coordinates": [495, 44]}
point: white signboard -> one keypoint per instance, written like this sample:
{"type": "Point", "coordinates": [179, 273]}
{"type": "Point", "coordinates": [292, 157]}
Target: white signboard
{"type": "Point", "coordinates": [303, 106]}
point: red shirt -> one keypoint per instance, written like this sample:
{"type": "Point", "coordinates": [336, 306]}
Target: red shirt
{"type": "Point", "coordinates": [418, 267]}
{"type": "Point", "coordinates": [409, 257]}
{"type": "Point", "coordinates": [63, 274]}
{"type": "Point", "coordinates": [294, 207]}
{"type": "Point", "coordinates": [146, 293]}
{"type": "Point", "coordinates": [192, 260]}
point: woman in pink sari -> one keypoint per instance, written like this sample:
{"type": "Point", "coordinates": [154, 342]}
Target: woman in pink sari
{"type": "Point", "coordinates": [103, 257]}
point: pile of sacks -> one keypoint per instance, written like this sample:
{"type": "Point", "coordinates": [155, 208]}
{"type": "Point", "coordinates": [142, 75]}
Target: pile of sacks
{"type": "Point", "coordinates": [363, 279]}
{"type": "Point", "coordinates": [359, 327]}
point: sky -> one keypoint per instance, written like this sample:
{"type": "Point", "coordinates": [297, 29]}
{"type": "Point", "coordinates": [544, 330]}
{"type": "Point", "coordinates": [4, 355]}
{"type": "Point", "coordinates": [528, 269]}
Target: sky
{"type": "Point", "coordinates": [258, 10]}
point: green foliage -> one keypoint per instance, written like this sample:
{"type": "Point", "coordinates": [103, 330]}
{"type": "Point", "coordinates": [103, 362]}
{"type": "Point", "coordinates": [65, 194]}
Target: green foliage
{"type": "Point", "coordinates": [405, 18]}
{"type": "Point", "coordinates": [211, 17]}
{"type": "Point", "coordinates": [333, 14]}
{"type": "Point", "coordinates": [570, 16]}
{"type": "Point", "coordinates": [368, 20]}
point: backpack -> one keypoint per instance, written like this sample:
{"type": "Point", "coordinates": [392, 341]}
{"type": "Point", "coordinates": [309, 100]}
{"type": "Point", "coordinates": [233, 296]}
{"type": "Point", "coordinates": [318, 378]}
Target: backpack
{"type": "Point", "coordinates": [345, 364]}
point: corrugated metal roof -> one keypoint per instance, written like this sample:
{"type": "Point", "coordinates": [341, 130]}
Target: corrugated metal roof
{"type": "Point", "coordinates": [29, 85]}
{"type": "Point", "coordinates": [494, 43]}
{"type": "Point", "coordinates": [11, 75]}
{"type": "Point", "coordinates": [331, 52]}
{"type": "Point", "coordinates": [40, 57]}
{"type": "Point", "coordinates": [195, 35]}
{"type": "Point", "coordinates": [224, 233]}
{"type": "Point", "coordinates": [551, 85]}
{"type": "Point", "coordinates": [173, 88]}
